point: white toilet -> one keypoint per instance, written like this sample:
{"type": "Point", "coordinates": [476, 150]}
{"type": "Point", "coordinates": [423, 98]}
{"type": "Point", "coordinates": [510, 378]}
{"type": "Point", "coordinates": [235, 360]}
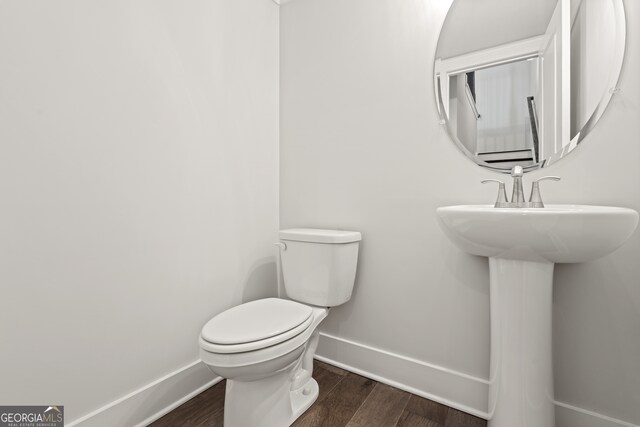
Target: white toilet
{"type": "Point", "coordinates": [265, 348]}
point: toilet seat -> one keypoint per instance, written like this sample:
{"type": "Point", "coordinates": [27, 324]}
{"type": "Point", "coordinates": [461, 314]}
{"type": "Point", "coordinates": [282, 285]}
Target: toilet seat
{"type": "Point", "coordinates": [211, 356]}
{"type": "Point", "coordinates": [256, 325]}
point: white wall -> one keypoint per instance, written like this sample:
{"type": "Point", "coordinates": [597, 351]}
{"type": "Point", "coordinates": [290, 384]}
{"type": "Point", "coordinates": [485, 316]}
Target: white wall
{"type": "Point", "coordinates": [492, 22]}
{"type": "Point", "coordinates": [138, 187]}
{"type": "Point", "coordinates": [361, 148]}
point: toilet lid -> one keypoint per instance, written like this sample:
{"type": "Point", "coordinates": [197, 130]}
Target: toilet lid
{"type": "Point", "coordinates": [255, 321]}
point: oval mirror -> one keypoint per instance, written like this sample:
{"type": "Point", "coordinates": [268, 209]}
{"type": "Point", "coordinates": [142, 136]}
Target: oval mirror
{"type": "Point", "coordinates": [522, 82]}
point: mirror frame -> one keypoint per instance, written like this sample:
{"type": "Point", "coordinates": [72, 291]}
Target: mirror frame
{"type": "Point", "coordinates": [614, 78]}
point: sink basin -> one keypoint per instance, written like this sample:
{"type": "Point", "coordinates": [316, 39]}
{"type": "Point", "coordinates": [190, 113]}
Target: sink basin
{"type": "Point", "coordinates": [523, 246]}
{"type": "Point", "coordinates": [555, 233]}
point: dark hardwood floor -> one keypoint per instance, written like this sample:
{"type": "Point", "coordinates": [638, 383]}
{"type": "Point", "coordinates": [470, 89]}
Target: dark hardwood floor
{"type": "Point", "coordinates": [345, 400]}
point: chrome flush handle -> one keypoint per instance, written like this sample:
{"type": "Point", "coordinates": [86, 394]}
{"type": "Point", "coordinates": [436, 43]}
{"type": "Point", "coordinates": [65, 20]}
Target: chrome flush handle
{"type": "Point", "coordinates": [501, 201]}
{"type": "Point", "coordinates": [535, 200]}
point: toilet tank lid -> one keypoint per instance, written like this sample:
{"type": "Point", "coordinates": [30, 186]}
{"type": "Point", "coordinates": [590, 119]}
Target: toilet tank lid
{"type": "Point", "coordinates": [315, 235]}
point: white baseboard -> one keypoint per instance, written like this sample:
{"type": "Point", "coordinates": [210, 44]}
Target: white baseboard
{"type": "Point", "coordinates": [572, 416]}
{"type": "Point", "coordinates": [145, 405]}
{"type": "Point", "coordinates": [455, 389]}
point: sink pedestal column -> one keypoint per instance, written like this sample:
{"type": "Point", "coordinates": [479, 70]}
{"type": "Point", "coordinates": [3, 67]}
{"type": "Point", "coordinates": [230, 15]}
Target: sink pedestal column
{"type": "Point", "coordinates": [521, 371]}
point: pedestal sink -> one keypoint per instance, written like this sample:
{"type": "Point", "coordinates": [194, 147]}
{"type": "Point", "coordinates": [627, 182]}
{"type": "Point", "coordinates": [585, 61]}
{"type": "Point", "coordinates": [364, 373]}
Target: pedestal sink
{"type": "Point", "coordinates": [522, 246]}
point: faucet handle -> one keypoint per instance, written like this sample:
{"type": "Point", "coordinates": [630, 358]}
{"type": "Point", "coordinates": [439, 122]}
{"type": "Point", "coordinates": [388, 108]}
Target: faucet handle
{"type": "Point", "coordinates": [502, 201]}
{"type": "Point", "coordinates": [535, 200]}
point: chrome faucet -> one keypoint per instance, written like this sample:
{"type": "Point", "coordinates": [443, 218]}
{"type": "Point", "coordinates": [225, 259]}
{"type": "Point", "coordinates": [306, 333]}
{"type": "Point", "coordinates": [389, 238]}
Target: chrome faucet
{"type": "Point", "coordinates": [517, 196]}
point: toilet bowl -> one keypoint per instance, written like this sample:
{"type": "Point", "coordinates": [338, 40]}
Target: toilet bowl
{"type": "Point", "coordinates": [265, 348]}
{"type": "Point", "coordinates": [269, 380]}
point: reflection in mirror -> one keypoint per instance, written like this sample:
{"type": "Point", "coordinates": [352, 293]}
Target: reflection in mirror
{"type": "Point", "coordinates": [521, 82]}
{"type": "Point", "coordinates": [494, 113]}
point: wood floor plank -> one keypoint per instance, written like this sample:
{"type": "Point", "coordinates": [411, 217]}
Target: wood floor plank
{"type": "Point", "coordinates": [331, 368]}
{"type": "Point", "coordinates": [411, 419]}
{"type": "Point", "coordinates": [337, 408]}
{"type": "Point", "coordinates": [428, 409]}
{"type": "Point", "coordinates": [382, 408]}
{"type": "Point", "coordinates": [345, 399]}
{"type": "Point", "coordinates": [205, 409]}
{"type": "Point", "coordinates": [326, 380]}
{"type": "Point", "coordinates": [457, 418]}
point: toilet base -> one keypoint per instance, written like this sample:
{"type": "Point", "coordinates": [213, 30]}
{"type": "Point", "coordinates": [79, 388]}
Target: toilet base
{"type": "Point", "coordinates": [268, 402]}
{"type": "Point", "coordinates": [303, 398]}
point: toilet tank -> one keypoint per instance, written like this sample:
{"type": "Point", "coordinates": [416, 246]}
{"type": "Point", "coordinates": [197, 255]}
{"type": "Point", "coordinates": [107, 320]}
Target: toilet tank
{"type": "Point", "coordinates": [319, 266]}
